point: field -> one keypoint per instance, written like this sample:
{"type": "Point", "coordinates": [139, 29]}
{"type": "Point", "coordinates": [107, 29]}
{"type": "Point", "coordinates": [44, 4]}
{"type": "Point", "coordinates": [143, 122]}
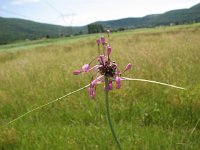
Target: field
{"type": "Point", "coordinates": [145, 116]}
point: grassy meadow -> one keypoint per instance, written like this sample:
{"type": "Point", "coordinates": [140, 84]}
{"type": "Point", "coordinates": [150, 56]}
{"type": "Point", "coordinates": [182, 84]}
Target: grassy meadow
{"type": "Point", "coordinates": [145, 116]}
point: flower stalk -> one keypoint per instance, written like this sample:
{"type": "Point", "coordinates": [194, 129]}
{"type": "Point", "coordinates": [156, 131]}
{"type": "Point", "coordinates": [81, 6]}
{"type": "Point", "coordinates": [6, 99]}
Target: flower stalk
{"type": "Point", "coordinates": [108, 115]}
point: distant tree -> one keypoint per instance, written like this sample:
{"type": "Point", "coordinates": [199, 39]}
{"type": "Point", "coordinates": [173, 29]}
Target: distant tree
{"type": "Point", "coordinates": [95, 28]}
{"type": "Point", "coordinates": [121, 29]}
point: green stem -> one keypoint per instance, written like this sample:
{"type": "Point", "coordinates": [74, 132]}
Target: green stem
{"type": "Point", "coordinates": [108, 116]}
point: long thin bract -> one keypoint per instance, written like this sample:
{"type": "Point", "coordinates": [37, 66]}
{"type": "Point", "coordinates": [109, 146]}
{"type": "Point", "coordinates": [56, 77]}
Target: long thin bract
{"type": "Point", "coordinates": [151, 81]}
{"type": "Point", "coordinates": [39, 107]}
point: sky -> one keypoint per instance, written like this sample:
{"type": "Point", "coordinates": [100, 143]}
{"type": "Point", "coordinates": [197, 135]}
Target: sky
{"type": "Point", "coordinates": [83, 12]}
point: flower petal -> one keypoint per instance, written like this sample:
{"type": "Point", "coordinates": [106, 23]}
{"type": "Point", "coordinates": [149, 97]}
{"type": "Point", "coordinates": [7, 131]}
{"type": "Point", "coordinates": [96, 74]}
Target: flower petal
{"type": "Point", "coordinates": [110, 86]}
{"type": "Point", "coordinates": [128, 66]}
{"type": "Point", "coordinates": [118, 82]}
{"type": "Point", "coordinates": [103, 40]}
{"type": "Point", "coordinates": [108, 50]}
{"type": "Point", "coordinates": [76, 72]}
{"type": "Point", "coordinates": [85, 67]}
{"type": "Point", "coordinates": [91, 92]}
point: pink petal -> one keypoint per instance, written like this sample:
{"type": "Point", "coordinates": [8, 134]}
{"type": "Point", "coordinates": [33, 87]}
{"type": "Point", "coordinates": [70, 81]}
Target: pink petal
{"type": "Point", "coordinates": [94, 68]}
{"type": "Point", "coordinates": [98, 80]}
{"type": "Point", "coordinates": [128, 66]}
{"type": "Point", "coordinates": [93, 83]}
{"type": "Point", "coordinates": [76, 72]}
{"type": "Point", "coordinates": [85, 67]}
{"type": "Point", "coordinates": [102, 59]}
{"type": "Point", "coordinates": [108, 50]}
{"type": "Point", "coordinates": [118, 82]}
{"type": "Point", "coordinates": [110, 87]}
{"type": "Point", "coordinates": [91, 92]}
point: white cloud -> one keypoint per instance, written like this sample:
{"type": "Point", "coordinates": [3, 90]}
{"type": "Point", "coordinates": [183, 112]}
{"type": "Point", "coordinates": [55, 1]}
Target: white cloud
{"type": "Point", "coordinates": [20, 2]}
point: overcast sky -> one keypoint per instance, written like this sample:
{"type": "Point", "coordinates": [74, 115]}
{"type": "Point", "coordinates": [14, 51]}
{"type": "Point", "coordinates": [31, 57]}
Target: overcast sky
{"type": "Point", "coordinates": [83, 12]}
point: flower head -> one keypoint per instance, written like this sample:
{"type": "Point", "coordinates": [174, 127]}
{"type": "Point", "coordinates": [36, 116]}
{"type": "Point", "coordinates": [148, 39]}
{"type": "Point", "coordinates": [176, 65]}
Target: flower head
{"type": "Point", "coordinates": [105, 68]}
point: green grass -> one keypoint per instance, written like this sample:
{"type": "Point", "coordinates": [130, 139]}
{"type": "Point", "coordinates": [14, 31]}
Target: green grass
{"type": "Point", "coordinates": [145, 116]}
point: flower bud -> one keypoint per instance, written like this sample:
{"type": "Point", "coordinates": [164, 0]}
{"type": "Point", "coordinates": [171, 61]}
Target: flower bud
{"type": "Point", "coordinates": [76, 72]}
{"type": "Point", "coordinates": [85, 67]}
{"type": "Point", "coordinates": [91, 92]}
{"type": "Point", "coordinates": [128, 66]}
{"type": "Point", "coordinates": [103, 40]}
{"type": "Point", "coordinates": [110, 87]}
{"type": "Point", "coordinates": [93, 83]}
{"type": "Point", "coordinates": [108, 50]}
{"type": "Point", "coordinates": [98, 41]}
{"type": "Point", "coordinates": [118, 82]}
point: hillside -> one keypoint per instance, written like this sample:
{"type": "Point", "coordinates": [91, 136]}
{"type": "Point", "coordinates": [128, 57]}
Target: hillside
{"type": "Point", "coordinates": [180, 16]}
{"type": "Point", "coordinates": [13, 29]}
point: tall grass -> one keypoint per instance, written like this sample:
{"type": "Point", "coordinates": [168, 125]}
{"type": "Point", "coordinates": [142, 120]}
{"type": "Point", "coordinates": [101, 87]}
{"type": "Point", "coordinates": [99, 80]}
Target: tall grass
{"type": "Point", "coordinates": [146, 116]}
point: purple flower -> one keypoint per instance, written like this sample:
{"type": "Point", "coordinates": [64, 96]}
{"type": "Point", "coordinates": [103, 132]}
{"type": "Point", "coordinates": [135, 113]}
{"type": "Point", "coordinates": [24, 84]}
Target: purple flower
{"type": "Point", "coordinates": [105, 68]}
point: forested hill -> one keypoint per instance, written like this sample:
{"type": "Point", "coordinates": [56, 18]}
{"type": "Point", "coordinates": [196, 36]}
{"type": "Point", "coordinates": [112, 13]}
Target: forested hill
{"type": "Point", "coordinates": [179, 16]}
{"type": "Point", "coordinates": [12, 29]}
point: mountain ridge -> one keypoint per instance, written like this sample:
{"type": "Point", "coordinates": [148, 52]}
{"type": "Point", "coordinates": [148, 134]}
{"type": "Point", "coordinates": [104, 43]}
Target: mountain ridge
{"type": "Point", "coordinates": [178, 16]}
{"type": "Point", "coordinates": [13, 29]}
